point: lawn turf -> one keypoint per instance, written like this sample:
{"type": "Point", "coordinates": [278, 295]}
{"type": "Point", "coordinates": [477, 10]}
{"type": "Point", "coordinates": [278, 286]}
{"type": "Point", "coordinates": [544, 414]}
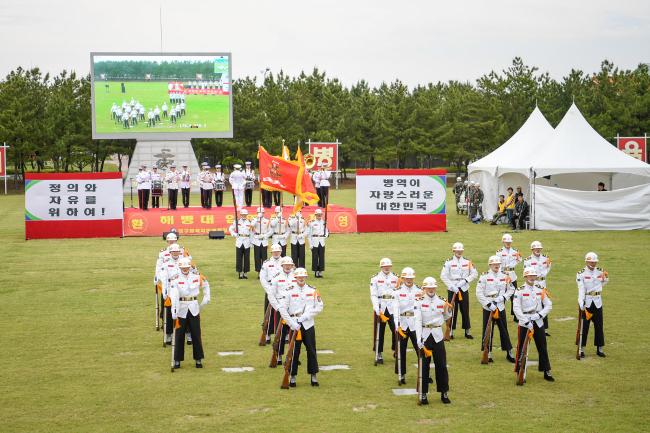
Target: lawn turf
{"type": "Point", "coordinates": [81, 354]}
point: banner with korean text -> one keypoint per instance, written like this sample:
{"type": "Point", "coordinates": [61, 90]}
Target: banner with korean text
{"type": "Point", "coordinates": [401, 200]}
{"type": "Point", "coordinates": [73, 205]}
{"type": "Point", "coordinates": [326, 154]}
{"type": "Point", "coordinates": [636, 147]}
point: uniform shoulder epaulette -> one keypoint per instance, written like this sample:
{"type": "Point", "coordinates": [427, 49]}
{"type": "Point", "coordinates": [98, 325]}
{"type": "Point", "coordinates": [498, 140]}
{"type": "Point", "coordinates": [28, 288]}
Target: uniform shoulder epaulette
{"type": "Point", "coordinates": [538, 286]}
{"type": "Point", "coordinates": [373, 276]}
{"type": "Point", "coordinates": [600, 269]}
{"type": "Point", "coordinates": [514, 249]}
{"type": "Point", "coordinates": [441, 298]}
{"type": "Point", "coordinates": [417, 287]}
{"type": "Point", "coordinates": [265, 261]}
{"type": "Point", "coordinates": [484, 273]}
{"type": "Point", "coordinates": [163, 250]}
{"type": "Point", "coordinates": [449, 259]}
{"type": "Point", "coordinates": [529, 257]}
{"type": "Point", "coordinates": [581, 271]}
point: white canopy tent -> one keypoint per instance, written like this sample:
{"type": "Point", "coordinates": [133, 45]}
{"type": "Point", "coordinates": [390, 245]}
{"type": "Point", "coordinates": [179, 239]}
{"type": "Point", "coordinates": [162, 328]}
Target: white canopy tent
{"type": "Point", "coordinates": [562, 172]}
{"type": "Point", "coordinates": [503, 167]}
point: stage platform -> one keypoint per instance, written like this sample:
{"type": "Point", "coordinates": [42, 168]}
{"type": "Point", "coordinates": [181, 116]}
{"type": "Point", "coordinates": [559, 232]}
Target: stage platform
{"type": "Point", "coordinates": [193, 221]}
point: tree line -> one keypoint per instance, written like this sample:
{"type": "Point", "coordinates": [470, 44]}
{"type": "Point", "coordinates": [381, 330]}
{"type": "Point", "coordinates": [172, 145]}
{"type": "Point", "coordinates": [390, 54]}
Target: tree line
{"type": "Point", "coordinates": [46, 119]}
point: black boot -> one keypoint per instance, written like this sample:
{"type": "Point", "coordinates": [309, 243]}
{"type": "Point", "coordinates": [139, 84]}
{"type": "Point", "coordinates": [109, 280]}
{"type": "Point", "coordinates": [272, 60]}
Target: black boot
{"type": "Point", "coordinates": [444, 398]}
{"type": "Point", "coordinates": [599, 352]}
{"type": "Point", "coordinates": [199, 364]}
{"type": "Point", "coordinates": [468, 335]}
{"type": "Point", "coordinates": [423, 400]}
{"type": "Point", "coordinates": [177, 364]}
{"type": "Point", "coordinates": [548, 377]}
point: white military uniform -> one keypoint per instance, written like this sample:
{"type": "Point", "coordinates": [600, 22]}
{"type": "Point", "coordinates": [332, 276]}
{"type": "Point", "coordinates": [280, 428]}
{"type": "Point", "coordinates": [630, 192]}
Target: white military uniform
{"type": "Point", "coordinates": [300, 305]}
{"type": "Point", "coordinates": [260, 237]}
{"type": "Point", "coordinates": [382, 287]}
{"type": "Point", "coordinates": [458, 273]}
{"type": "Point", "coordinates": [238, 181]}
{"type": "Point", "coordinates": [185, 179]}
{"type": "Point", "coordinates": [243, 237]}
{"type": "Point", "coordinates": [430, 318]}
{"type": "Point", "coordinates": [510, 258]}
{"type": "Point", "coordinates": [530, 300]}
{"type": "Point", "coordinates": [297, 227]}
{"type": "Point", "coordinates": [316, 233]}
{"type": "Point", "coordinates": [172, 178]}
{"type": "Point", "coordinates": [144, 180]}
{"type": "Point", "coordinates": [280, 230]}
{"type": "Point", "coordinates": [270, 269]}
{"type": "Point", "coordinates": [590, 287]}
{"type": "Point", "coordinates": [184, 294]}
{"type": "Point", "coordinates": [404, 304]}
{"type": "Point", "coordinates": [494, 288]}
{"type": "Point", "coordinates": [205, 180]}
{"type": "Point", "coordinates": [542, 264]}
{"type": "Point", "coordinates": [278, 288]}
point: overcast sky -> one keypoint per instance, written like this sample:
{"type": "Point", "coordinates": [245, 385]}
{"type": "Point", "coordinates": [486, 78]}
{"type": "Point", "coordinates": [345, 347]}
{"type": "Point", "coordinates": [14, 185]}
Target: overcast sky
{"type": "Point", "coordinates": [415, 41]}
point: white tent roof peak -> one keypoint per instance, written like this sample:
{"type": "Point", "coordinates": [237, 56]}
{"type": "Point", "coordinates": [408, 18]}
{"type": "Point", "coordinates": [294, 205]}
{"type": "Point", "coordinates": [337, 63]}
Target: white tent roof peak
{"type": "Point", "coordinates": [575, 147]}
{"type": "Point", "coordinates": [518, 149]}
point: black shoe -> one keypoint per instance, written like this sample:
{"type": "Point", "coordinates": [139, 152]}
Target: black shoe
{"type": "Point", "coordinates": [240, 277]}
{"type": "Point", "coordinates": [177, 364]}
{"type": "Point", "coordinates": [469, 337]}
{"type": "Point", "coordinates": [444, 398]}
{"type": "Point", "coordinates": [490, 360]}
{"type": "Point", "coordinates": [582, 354]}
{"type": "Point", "coordinates": [548, 377]}
{"type": "Point", "coordinates": [402, 381]}
{"type": "Point", "coordinates": [599, 353]}
{"type": "Point", "coordinates": [292, 384]}
{"type": "Point", "coordinates": [279, 362]}
{"type": "Point", "coordinates": [510, 358]}
{"type": "Point", "coordinates": [451, 337]}
{"type": "Point", "coordinates": [199, 364]}
{"type": "Point", "coordinates": [245, 277]}
{"type": "Point", "coordinates": [424, 400]}
{"type": "Point", "coordinates": [189, 342]}
{"type": "Point", "coordinates": [430, 380]}
{"type": "Point", "coordinates": [547, 334]}
{"type": "Point", "coordinates": [314, 383]}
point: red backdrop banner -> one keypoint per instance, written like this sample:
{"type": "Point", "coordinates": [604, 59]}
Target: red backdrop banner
{"type": "Point", "coordinates": [636, 147]}
{"type": "Point", "coordinates": [199, 221]}
{"type": "Point", "coordinates": [327, 153]}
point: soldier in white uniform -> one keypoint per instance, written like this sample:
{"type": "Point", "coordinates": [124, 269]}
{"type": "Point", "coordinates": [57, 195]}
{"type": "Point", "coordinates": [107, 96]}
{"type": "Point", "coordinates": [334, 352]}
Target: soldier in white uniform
{"type": "Point", "coordinates": [260, 234]}
{"type": "Point", "coordinates": [404, 298]}
{"type": "Point", "coordinates": [276, 293]}
{"type": "Point", "coordinates": [205, 178]}
{"type": "Point", "coordinates": [298, 228]}
{"type": "Point", "coordinates": [241, 231]}
{"type": "Point", "coordinates": [185, 185]}
{"type": "Point", "coordinates": [172, 178]}
{"type": "Point", "coordinates": [457, 274]}
{"type": "Point", "coordinates": [200, 184]}
{"type": "Point", "coordinates": [431, 313]}
{"type": "Point", "coordinates": [249, 174]}
{"type": "Point", "coordinates": [494, 288]}
{"type": "Point", "coordinates": [237, 180]}
{"type": "Point", "coordinates": [510, 258]}
{"type": "Point", "coordinates": [270, 269]}
{"type": "Point", "coordinates": [166, 273]}
{"type": "Point", "coordinates": [300, 305]}
{"type": "Point", "coordinates": [186, 309]}
{"type": "Point", "coordinates": [382, 286]}
{"type": "Point", "coordinates": [542, 264]}
{"type": "Point", "coordinates": [219, 178]}
{"type": "Point", "coordinates": [279, 229]}
{"type": "Point", "coordinates": [324, 181]}
{"type": "Point", "coordinates": [591, 280]}
{"type": "Point", "coordinates": [144, 187]}
{"type": "Point", "coordinates": [165, 109]}
{"type": "Point", "coordinates": [532, 304]}
{"type": "Point", "coordinates": [317, 232]}
{"type": "Point", "coordinates": [155, 177]}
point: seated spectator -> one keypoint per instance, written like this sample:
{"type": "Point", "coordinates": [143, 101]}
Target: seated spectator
{"type": "Point", "coordinates": [501, 212]}
{"type": "Point", "coordinates": [520, 214]}
{"type": "Point", "coordinates": [601, 186]}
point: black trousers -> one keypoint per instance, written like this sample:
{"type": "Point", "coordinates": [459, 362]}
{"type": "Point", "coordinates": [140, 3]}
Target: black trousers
{"type": "Point", "coordinates": [267, 198]}
{"type": "Point", "coordinates": [242, 259]}
{"type": "Point", "coordinates": [319, 193]}
{"type": "Point", "coordinates": [273, 317]}
{"type": "Point", "coordinates": [519, 221]}
{"type": "Point", "coordinates": [185, 192]}
{"type": "Point", "coordinates": [324, 195]}
{"type": "Point", "coordinates": [309, 341]}
{"type": "Point", "coordinates": [512, 304]}
{"type": "Point", "coordinates": [172, 197]}
{"type": "Point", "coordinates": [193, 323]}
{"type": "Point", "coordinates": [218, 198]}
{"type": "Point", "coordinates": [260, 253]}
{"type": "Point", "coordinates": [276, 197]}
{"type": "Point", "coordinates": [464, 308]}
{"type": "Point", "coordinates": [403, 342]}
{"type": "Point", "coordinates": [202, 197]}
{"type": "Point", "coordinates": [502, 324]}
{"type": "Point", "coordinates": [169, 324]}
{"type": "Point", "coordinates": [298, 254]}
{"type": "Point", "coordinates": [155, 201]}
{"type": "Point", "coordinates": [540, 342]}
{"type": "Point", "coordinates": [248, 197]}
{"type": "Point", "coordinates": [597, 318]}
{"type": "Point", "coordinates": [143, 198]}
{"type": "Point", "coordinates": [284, 332]}
{"type": "Point", "coordinates": [318, 258]}
{"type": "Point", "coordinates": [207, 198]}
{"type": "Point", "coordinates": [440, 360]}
{"type": "Point", "coordinates": [382, 332]}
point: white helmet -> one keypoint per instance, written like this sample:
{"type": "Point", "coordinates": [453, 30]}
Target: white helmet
{"type": "Point", "coordinates": [530, 271]}
{"type": "Point", "coordinates": [300, 272]}
{"type": "Point", "coordinates": [243, 212]}
{"type": "Point", "coordinates": [494, 260]}
{"type": "Point", "coordinates": [286, 260]}
{"type": "Point", "coordinates": [276, 248]}
{"type": "Point", "coordinates": [185, 262]}
{"type": "Point", "coordinates": [171, 237]}
{"type": "Point", "coordinates": [506, 238]}
{"type": "Point", "coordinates": [458, 247]}
{"type": "Point", "coordinates": [174, 248]}
{"type": "Point", "coordinates": [458, 179]}
{"type": "Point", "coordinates": [408, 273]}
{"type": "Point", "coordinates": [591, 257]}
{"type": "Point", "coordinates": [385, 262]}
{"type": "Point", "coordinates": [429, 282]}
{"type": "Point", "coordinates": [536, 244]}
{"type": "Point", "coordinates": [318, 212]}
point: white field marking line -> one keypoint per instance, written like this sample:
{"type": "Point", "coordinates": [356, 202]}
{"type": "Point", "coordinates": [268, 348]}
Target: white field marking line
{"type": "Point", "coordinates": [233, 353]}
{"type": "Point", "coordinates": [237, 369]}
{"type": "Point", "coordinates": [334, 367]}
{"type": "Point", "coordinates": [565, 319]}
{"type": "Point", "coordinates": [404, 391]}
{"type": "Point", "coordinates": [325, 352]}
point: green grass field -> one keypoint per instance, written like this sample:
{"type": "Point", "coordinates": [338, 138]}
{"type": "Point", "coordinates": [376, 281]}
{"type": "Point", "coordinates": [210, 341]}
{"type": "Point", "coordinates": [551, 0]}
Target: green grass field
{"type": "Point", "coordinates": [210, 112]}
{"type": "Point", "coordinates": [80, 353]}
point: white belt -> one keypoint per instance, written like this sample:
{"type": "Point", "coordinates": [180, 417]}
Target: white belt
{"type": "Point", "coordinates": [431, 326]}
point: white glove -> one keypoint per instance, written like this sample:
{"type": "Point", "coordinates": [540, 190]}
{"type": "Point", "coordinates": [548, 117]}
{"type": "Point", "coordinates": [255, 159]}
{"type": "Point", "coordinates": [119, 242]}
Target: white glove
{"type": "Point", "coordinates": [581, 304]}
{"type": "Point", "coordinates": [492, 306]}
{"type": "Point", "coordinates": [500, 299]}
{"type": "Point", "coordinates": [529, 325]}
{"type": "Point", "coordinates": [421, 345]}
{"type": "Point", "coordinates": [454, 289]}
{"type": "Point", "coordinates": [377, 312]}
{"type": "Point", "coordinates": [300, 319]}
{"type": "Point", "coordinates": [294, 325]}
{"type": "Point", "coordinates": [174, 315]}
{"type": "Point", "coordinates": [202, 305]}
{"type": "Point", "coordinates": [535, 316]}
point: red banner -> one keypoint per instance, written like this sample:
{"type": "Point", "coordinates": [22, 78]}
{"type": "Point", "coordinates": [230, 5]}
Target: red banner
{"type": "Point", "coordinates": [636, 147]}
{"type": "Point", "coordinates": [326, 153]}
{"type": "Point", "coordinates": [200, 221]}
{"type": "Point", "coordinates": [3, 160]}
